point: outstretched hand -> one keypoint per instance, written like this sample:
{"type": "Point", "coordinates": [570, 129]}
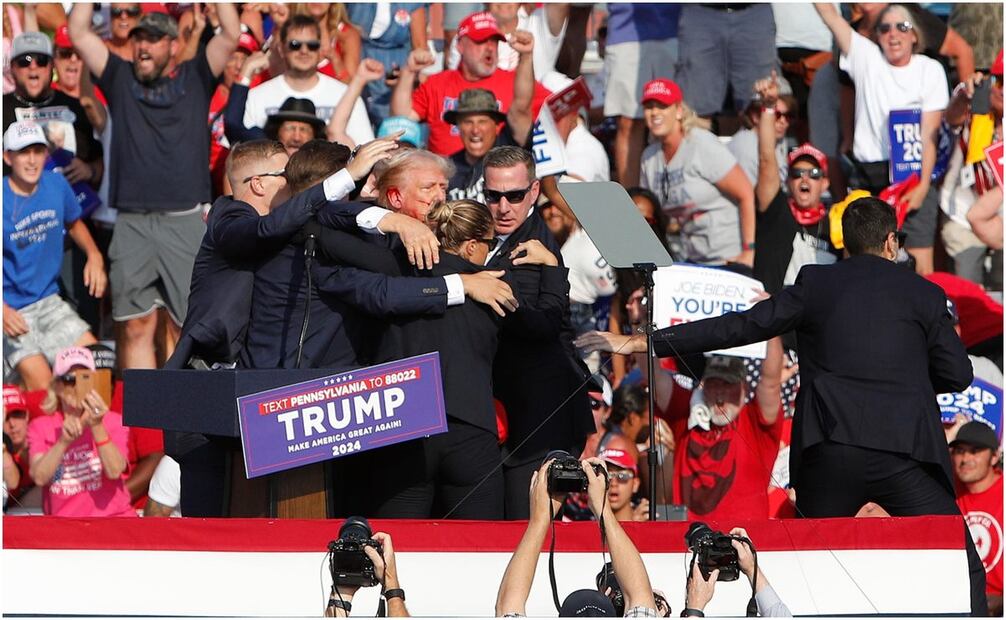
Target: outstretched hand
{"type": "Point", "coordinates": [612, 343]}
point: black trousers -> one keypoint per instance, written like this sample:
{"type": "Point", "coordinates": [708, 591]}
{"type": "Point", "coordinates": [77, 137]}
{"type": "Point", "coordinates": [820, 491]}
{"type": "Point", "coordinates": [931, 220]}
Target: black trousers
{"type": "Point", "coordinates": [517, 480]}
{"type": "Point", "coordinates": [205, 464]}
{"type": "Point", "coordinates": [835, 480]}
{"type": "Point", "coordinates": [456, 473]}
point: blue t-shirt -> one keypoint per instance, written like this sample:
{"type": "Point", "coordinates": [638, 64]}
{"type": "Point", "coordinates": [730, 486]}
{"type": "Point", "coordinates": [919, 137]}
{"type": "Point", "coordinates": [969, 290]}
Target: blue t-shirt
{"type": "Point", "coordinates": [642, 22]}
{"type": "Point", "coordinates": [33, 229]}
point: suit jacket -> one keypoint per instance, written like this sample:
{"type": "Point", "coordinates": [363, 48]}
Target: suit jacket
{"type": "Point", "coordinates": [876, 345]}
{"type": "Point", "coordinates": [538, 377]}
{"type": "Point", "coordinates": [236, 239]}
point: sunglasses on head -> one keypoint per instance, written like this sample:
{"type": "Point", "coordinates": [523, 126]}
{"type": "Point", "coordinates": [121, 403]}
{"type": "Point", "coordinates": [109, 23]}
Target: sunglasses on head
{"type": "Point", "coordinates": [130, 12]}
{"type": "Point", "coordinates": [901, 26]}
{"type": "Point", "coordinates": [274, 173]}
{"type": "Point", "coordinates": [512, 196]}
{"type": "Point", "coordinates": [294, 45]}
{"type": "Point", "coordinates": [24, 60]}
{"type": "Point", "coordinates": [809, 173]}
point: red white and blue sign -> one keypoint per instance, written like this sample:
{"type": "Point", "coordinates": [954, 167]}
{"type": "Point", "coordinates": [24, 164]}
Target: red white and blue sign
{"type": "Point", "coordinates": [342, 414]}
{"type": "Point", "coordinates": [905, 132]}
{"type": "Point", "coordinates": [981, 401]}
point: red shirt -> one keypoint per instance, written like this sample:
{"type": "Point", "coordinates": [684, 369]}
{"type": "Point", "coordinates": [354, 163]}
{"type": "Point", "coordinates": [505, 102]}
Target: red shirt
{"type": "Point", "coordinates": [983, 513]}
{"type": "Point", "coordinates": [440, 93]}
{"type": "Point", "coordinates": [723, 474]}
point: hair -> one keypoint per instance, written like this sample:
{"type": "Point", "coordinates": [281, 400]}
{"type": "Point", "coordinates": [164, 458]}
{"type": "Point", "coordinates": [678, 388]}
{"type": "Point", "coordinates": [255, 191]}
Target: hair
{"type": "Point", "coordinates": [920, 41]}
{"type": "Point", "coordinates": [628, 398]}
{"type": "Point", "coordinates": [659, 223]}
{"type": "Point", "coordinates": [866, 223]}
{"type": "Point", "coordinates": [334, 15]}
{"type": "Point", "coordinates": [750, 117]}
{"type": "Point", "coordinates": [457, 221]}
{"type": "Point", "coordinates": [51, 402]}
{"type": "Point", "coordinates": [508, 156]}
{"type": "Point", "coordinates": [690, 118]}
{"type": "Point", "coordinates": [398, 166]}
{"type": "Point", "coordinates": [296, 22]}
{"type": "Point", "coordinates": [247, 152]}
{"type": "Point", "coordinates": [313, 162]}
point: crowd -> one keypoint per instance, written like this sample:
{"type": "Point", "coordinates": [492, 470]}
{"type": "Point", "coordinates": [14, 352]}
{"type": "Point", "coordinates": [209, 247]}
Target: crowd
{"type": "Point", "coordinates": [327, 185]}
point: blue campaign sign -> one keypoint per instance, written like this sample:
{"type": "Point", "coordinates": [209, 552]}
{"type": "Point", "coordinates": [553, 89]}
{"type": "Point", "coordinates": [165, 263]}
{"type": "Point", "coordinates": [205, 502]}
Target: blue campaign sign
{"type": "Point", "coordinates": [342, 414]}
{"type": "Point", "coordinates": [982, 401]}
{"type": "Point", "coordinates": [905, 132]}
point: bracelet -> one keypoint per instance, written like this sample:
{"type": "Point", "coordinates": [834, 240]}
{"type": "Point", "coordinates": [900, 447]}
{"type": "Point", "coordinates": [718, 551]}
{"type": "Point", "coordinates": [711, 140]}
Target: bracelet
{"type": "Point", "coordinates": [345, 606]}
{"type": "Point", "coordinates": [394, 593]}
{"type": "Point", "coordinates": [106, 440]}
{"type": "Point", "coordinates": [747, 246]}
{"type": "Point", "coordinates": [688, 612]}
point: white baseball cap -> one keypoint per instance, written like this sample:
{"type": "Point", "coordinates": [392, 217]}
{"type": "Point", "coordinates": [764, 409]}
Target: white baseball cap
{"type": "Point", "coordinates": [23, 134]}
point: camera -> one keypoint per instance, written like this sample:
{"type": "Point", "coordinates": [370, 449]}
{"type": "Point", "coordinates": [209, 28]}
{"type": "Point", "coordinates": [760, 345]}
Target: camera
{"type": "Point", "coordinates": [348, 562]}
{"type": "Point", "coordinates": [713, 551]}
{"type": "Point", "coordinates": [606, 579]}
{"type": "Point", "coordinates": [565, 474]}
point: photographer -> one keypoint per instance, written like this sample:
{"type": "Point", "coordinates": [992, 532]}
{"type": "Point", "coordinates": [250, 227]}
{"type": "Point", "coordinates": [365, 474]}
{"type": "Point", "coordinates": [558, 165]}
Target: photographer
{"type": "Point", "coordinates": [341, 599]}
{"type": "Point", "coordinates": [699, 591]}
{"type": "Point", "coordinates": [625, 559]}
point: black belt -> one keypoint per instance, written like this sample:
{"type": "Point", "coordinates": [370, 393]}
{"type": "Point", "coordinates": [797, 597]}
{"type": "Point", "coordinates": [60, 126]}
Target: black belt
{"type": "Point", "coordinates": [729, 8]}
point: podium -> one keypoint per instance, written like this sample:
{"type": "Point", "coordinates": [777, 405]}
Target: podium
{"type": "Point", "coordinates": [205, 402]}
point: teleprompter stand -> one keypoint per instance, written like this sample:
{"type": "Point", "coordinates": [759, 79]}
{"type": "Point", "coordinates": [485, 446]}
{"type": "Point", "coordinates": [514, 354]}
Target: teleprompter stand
{"type": "Point", "coordinates": [626, 241]}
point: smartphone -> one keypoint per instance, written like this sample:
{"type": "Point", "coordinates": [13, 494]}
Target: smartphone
{"type": "Point", "coordinates": [980, 100]}
{"type": "Point", "coordinates": [84, 383]}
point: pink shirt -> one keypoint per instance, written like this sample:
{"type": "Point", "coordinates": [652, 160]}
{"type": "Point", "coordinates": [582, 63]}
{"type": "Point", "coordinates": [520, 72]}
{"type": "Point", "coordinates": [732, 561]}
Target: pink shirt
{"type": "Point", "coordinates": [79, 487]}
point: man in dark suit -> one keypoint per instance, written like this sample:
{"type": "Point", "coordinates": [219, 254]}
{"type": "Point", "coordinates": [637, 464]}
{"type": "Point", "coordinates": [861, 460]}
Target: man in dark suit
{"type": "Point", "coordinates": [540, 381]}
{"type": "Point", "coordinates": [876, 345]}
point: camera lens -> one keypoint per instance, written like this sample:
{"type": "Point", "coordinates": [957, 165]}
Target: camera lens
{"type": "Point", "coordinates": [557, 454]}
{"type": "Point", "coordinates": [356, 528]}
{"type": "Point", "coordinates": [696, 531]}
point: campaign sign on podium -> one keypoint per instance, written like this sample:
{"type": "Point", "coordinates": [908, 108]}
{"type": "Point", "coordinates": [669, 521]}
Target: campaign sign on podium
{"type": "Point", "coordinates": [341, 414]}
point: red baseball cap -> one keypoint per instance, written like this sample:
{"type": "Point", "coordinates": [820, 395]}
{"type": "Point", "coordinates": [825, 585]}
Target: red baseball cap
{"type": "Point", "coordinates": [663, 91]}
{"type": "Point", "coordinates": [62, 38]}
{"type": "Point", "coordinates": [808, 150]}
{"type": "Point", "coordinates": [13, 400]}
{"type": "Point", "coordinates": [617, 457]}
{"type": "Point", "coordinates": [480, 27]}
{"type": "Point", "coordinates": [997, 64]}
{"type": "Point", "coordinates": [247, 43]}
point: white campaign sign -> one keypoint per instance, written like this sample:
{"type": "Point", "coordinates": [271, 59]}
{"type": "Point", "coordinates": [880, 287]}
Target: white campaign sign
{"type": "Point", "coordinates": [685, 293]}
{"type": "Point", "coordinates": [547, 146]}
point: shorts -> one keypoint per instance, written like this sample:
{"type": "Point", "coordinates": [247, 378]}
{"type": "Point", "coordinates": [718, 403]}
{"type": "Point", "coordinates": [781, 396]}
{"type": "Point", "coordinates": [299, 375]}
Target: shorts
{"type": "Point", "coordinates": [52, 326]}
{"type": "Point", "coordinates": [630, 66]}
{"type": "Point", "coordinates": [920, 225]}
{"type": "Point", "coordinates": [151, 259]}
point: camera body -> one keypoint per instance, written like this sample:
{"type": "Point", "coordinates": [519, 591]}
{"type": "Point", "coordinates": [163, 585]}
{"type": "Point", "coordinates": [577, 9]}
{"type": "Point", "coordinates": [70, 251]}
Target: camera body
{"type": "Point", "coordinates": [565, 475]}
{"type": "Point", "coordinates": [348, 562]}
{"type": "Point", "coordinates": [713, 551]}
{"type": "Point", "coordinates": [607, 584]}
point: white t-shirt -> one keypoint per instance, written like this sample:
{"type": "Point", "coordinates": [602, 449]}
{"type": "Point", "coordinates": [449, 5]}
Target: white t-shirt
{"type": "Point", "coordinates": [585, 156]}
{"type": "Point", "coordinates": [266, 98]}
{"type": "Point", "coordinates": [881, 87]}
{"type": "Point", "coordinates": [744, 146]}
{"type": "Point", "coordinates": [798, 25]}
{"type": "Point", "coordinates": [166, 485]}
{"type": "Point", "coordinates": [590, 276]}
{"type": "Point", "coordinates": [546, 45]}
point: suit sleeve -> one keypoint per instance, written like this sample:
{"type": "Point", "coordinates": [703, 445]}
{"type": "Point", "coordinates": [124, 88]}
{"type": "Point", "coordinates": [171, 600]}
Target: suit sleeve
{"type": "Point", "coordinates": [236, 232]}
{"type": "Point", "coordinates": [344, 248]}
{"type": "Point", "coordinates": [774, 316]}
{"type": "Point", "coordinates": [340, 214]}
{"type": "Point", "coordinates": [382, 295]}
{"type": "Point", "coordinates": [544, 320]}
{"type": "Point", "coordinates": [234, 117]}
{"type": "Point", "coordinates": [950, 369]}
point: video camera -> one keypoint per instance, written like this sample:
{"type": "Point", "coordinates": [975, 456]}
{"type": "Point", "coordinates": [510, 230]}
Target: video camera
{"type": "Point", "coordinates": [565, 475]}
{"type": "Point", "coordinates": [713, 551]}
{"type": "Point", "coordinates": [348, 562]}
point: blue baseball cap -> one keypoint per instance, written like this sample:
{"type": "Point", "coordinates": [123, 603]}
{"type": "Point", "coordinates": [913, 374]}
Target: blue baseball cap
{"type": "Point", "coordinates": [414, 132]}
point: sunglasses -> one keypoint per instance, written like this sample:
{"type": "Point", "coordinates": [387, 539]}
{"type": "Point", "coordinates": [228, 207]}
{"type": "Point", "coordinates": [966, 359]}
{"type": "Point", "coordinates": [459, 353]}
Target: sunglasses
{"type": "Point", "coordinates": [274, 173]}
{"type": "Point", "coordinates": [808, 173]}
{"type": "Point", "coordinates": [622, 476]}
{"type": "Point", "coordinates": [24, 60]}
{"type": "Point", "coordinates": [294, 45]}
{"type": "Point", "coordinates": [901, 26]}
{"type": "Point", "coordinates": [512, 196]}
{"type": "Point", "coordinates": [492, 243]}
{"type": "Point", "coordinates": [789, 116]}
{"type": "Point", "coordinates": [65, 53]}
{"type": "Point", "coordinates": [131, 12]}
{"type": "Point", "coordinates": [67, 379]}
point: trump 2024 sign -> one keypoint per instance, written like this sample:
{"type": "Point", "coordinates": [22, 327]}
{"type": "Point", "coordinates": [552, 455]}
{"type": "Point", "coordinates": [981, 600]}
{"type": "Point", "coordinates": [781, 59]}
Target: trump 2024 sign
{"type": "Point", "coordinates": [341, 414]}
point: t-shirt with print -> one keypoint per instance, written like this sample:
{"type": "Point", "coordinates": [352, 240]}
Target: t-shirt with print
{"type": "Point", "coordinates": [723, 473]}
{"type": "Point", "coordinates": [784, 246]}
{"type": "Point", "coordinates": [983, 512]}
{"type": "Point", "coordinates": [686, 186]}
{"type": "Point", "coordinates": [33, 228]}
{"type": "Point", "coordinates": [440, 93]}
{"type": "Point", "coordinates": [160, 140]}
{"type": "Point", "coordinates": [62, 117]}
{"type": "Point", "coordinates": [468, 181]}
{"type": "Point", "coordinates": [590, 276]}
{"type": "Point", "coordinates": [882, 87]}
{"type": "Point", "coordinates": [79, 488]}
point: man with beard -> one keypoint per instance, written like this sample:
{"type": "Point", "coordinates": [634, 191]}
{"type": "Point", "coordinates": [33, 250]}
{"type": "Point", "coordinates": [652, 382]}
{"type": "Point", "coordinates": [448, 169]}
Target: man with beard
{"type": "Point", "coordinates": [160, 178]}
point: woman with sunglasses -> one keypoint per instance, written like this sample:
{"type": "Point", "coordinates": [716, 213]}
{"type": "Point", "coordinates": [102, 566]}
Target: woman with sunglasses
{"type": "Point", "coordinates": [457, 473]}
{"type": "Point", "coordinates": [77, 452]}
{"type": "Point", "coordinates": [894, 76]}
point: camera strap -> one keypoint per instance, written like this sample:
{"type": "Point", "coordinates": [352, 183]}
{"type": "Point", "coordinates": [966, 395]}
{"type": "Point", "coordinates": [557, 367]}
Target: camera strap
{"type": "Point", "coordinates": [381, 611]}
{"type": "Point", "coordinates": [551, 561]}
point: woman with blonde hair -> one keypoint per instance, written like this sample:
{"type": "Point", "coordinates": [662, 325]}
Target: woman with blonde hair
{"type": "Point", "coordinates": [78, 453]}
{"type": "Point", "coordinates": [703, 190]}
